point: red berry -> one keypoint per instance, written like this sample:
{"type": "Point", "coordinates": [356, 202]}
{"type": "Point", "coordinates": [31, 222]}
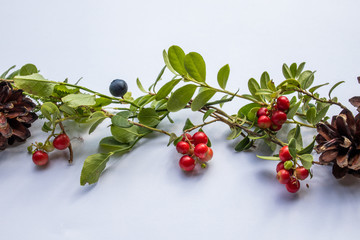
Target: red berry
{"type": "Point", "coordinates": [208, 155]}
{"type": "Point", "coordinates": [200, 137]}
{"type": "Point", "coordinates": [188, 136]}
{"type": "Point", "coordinates": [264, 122]}
{"type": "Point", "coordinates": [283, 103]}
{"type": "Point", "coordinates": [182, 147]}
{"type": "Point", "coordinates": [187, 163]}
{"type": "Point", "coordinates": [283, 176]}
{"type": "Point", "coordinates": [278, 118]}
{"type": "Point", "coordinates": [40, 158]}
{"type": "Point", "coordinates": [262, 112]}
{"type": "Point", "coordinates": [301, 173]}
{"type": "Point", "coordinates": [293, 186]}
{"type": "Point", "coordinates": [284, 154]}
{"type": "Point", "coordinates": [279, 166]}
{"type": "Point", "coordinates": [201, 150]}
{"type": "Point", "coordinates": [61, 142]}
{"type": "Point", "coordinates": [274, 127]}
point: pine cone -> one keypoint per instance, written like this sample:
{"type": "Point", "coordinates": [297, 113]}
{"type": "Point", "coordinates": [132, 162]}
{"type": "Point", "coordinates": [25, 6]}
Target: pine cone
{"type": "Point", "coordinates": [340, 143]}
{"type": "Point", "coordinates": [15, 115]}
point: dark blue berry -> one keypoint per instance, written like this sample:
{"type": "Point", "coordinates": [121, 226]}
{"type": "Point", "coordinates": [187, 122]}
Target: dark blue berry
{"type": "Point", "coordinates": [118, 88]}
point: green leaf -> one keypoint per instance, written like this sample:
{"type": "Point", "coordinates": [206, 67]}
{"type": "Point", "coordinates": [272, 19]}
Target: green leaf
{"type": "Point", "coordinates": [201, 99]}
{"type": "Point", "coordinates": [172, 138]}
{"type": "Point", "coordinates": [167, 62]}
{"type": "Point", "coordinates": [34, 84]}
{"type": "Point", "coordinates": [292, 147]}
{"type": "Point", "coordinates": [333, 87]}
{"type": "Point", "coordinates": [286, 71]}
{"type": "Point", "coordinates": [93, 167]}
{"type": "Point", "coordinates": [7, 71]}
{"type": "Point", "coordinates": [224, 98]}
{"type": "Point", "coordinates": [241, 146]}
{"type": "Point", "coordinates": [180, 98]}
{"type": "Point", "coordinates": [312, 90]}
{"type": "Point", "coordinates": [96, 118]}
{"type": "Point", "coordinates": [177, 140]}
{"type": "Point", "coordinates": [293, 110]}
{"type": "Point", "coordinates": [263, 92]}
{"type": "Point", "coordinates": [321, 114]}
{"type": "Point", "coordinates": [13, 74]}
{"type": "Point", "coordinates": [79, 99]}
{"type": "Point", "coordinates": [288, 83]}
{"type": "Point", "coordinates": [120, 121]}
{"type": "Point", "coordinates": [148, 116]}
{"type": "Point", "coordinates": [125, 135]}
{"type": "Point", "coordinates": [235, 132]}
{"type": "Point", "coordinates": [306, 160]}
{"type": "Point", "coordinates": [195, 66]}
{"type": "Point", "coordinates": [223, 76]}
{"type": "Point", "coordinates": [269, 158]}
{"type": "Point", "coordinates": [50, 111]}
{"type": "Point", "coordinates": [293, 68]}
{"type": "Point", "coordinates": [252, 113]}
{"type": "Point", "coordinates": [188, 125]}
{"type": "Point", "coordinates": [244, 111]}
{"type": "Point", "coordinates": [46, 127]}
{"type": "Point", "coordinates": [101, 102]}
{"type": "Point", "coordinates": [140, 86]}
{"type": "Point", "coordinates": [166, 89]}
{"type": "Point", "coordinates": [176, 58]}
{"type": "Point", "coordinates": [253, 86]}
{"type": "Point", "coordinates": [308, 149]}
{"type": "Point", "coordinates": [110, 143]}
{"type": "Point", "coordinates": [296, 134]}
{"type": "Point", "coordinates": [299, 69]}
{"type": "Point", "coordinates": [264, 79]}
{"type": "Point", "coordinates": [96, 124]}
{"type": "Point", "coordinates": [306, 79]}
{"type": "Point", "coordinates": [28, 69]}
{"type": "Point", "coordinates": [311, 115]}
{"type": "Point", "coordinates": [208, 113]}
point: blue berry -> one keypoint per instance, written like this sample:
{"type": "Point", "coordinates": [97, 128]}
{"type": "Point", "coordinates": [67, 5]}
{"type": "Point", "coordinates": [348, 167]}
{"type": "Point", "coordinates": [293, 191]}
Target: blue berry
{"type": "Point", "coordinates": [118, 88]}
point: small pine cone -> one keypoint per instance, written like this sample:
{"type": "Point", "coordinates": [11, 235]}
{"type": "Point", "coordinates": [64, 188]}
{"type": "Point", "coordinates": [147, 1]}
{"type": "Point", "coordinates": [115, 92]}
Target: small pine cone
{"type": "Point", "coordinates": [339, 143]}
{"type": "Point", "coordinates": [16, 115]}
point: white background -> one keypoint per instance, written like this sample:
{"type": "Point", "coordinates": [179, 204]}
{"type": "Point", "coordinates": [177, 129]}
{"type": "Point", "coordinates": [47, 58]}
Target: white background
{"type": "Point", "coordinates": [143, 194]}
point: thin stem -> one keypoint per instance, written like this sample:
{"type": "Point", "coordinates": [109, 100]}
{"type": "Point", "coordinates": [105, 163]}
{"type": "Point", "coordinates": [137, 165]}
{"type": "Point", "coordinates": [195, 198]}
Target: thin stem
{"type": "Point", "coordinates": [200, 125]}
{"type": "Point", "coordinates": [70, 147]}
{"type": "Point", "coordinates": [150, 128]}
{"type": "Point", "coordinates": [300, 123]}
{"type": "Point", "coordinates": [82, 88]}
{"type": "Point", "coordinates": [203, 84]}
{"type": "Point", "coordinates": [329, 101]}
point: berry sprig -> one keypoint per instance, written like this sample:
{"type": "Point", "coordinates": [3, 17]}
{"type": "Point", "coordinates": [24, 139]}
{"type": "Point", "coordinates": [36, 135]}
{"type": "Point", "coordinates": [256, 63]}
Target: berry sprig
{"type": "Point", "coordinates": [195, 150]}
{"type": "Point", "coordinates": [133, 118]}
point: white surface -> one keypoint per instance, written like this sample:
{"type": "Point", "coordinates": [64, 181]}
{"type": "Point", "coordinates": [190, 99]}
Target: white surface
{"type": "Point", "coordinates": [143, 194]}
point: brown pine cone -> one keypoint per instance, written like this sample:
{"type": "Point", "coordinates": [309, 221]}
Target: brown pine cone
{"type": "Point", "coordinates": [16, 115]}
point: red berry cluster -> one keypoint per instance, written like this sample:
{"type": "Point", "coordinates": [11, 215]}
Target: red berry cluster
{"type": "Point", "coordinates": [195, 150]}
{"type": "Point", "coordinates": [274, 118]}
{"type": "Point", "coordinates": [40, 157]}
{"type": "Point", "coordinates": [286, 174]}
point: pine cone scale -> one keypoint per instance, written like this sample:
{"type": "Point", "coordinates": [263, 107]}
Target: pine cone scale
{"type": "Point", "coordinates": [16, 115]}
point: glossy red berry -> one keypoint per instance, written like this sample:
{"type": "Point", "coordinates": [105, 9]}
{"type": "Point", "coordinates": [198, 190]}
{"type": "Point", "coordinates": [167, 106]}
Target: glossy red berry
{"type": "Point", "coordinates": [283, 103]}
{"type": "Point", "coordinates": [279, 166]}
{"type": "Point", "coordinates": [188, 136]}
{"type": "Point", "coordinates": [293, 185]}
{"type": "Point", "coordinates": [40, 158]}
{"type": "Point", "coordinates": [208, 156]}
{"type": "Point", "coordinates": [182, 147]}
{"type": "Point", "coordinates": [283, 176]}
{"type": "Point", "coordinates": [200, 137]}
{"type": "Point", "coordinates": [278, 118]}
{"type": "Point", "coordinates": [61, 142]}
{"type": "Point", "coordinates": [262, 112]}
{"type": "Point", "coordinates": [284, 154]}
{"type": "Point", "coordinates": [275, 128]}
{"type": "Point", "coordinates": [301, 173]}
{"type": "Point", "coordinates": [201, 150]}
{"type": "Point", "coordinates": [264, 122]}
{"type": "Point", "coordinates": [187, 163]}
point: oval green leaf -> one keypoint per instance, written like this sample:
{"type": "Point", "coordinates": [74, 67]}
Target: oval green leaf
{"type": "Point", "coordinates": [201, 99]}
{"type": "Point", "coordinates": [195, 66]}
{"type": "Point", "coordinates": [166, 89]}
{"type": "Point", "coordinates": [223, 76]}
{"type": "Point", "coordinates": [181, 97]}
{"type": "Point", "coordinates": [148, 116]}
{"type": "Point", "coordinates": [176, 58]}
